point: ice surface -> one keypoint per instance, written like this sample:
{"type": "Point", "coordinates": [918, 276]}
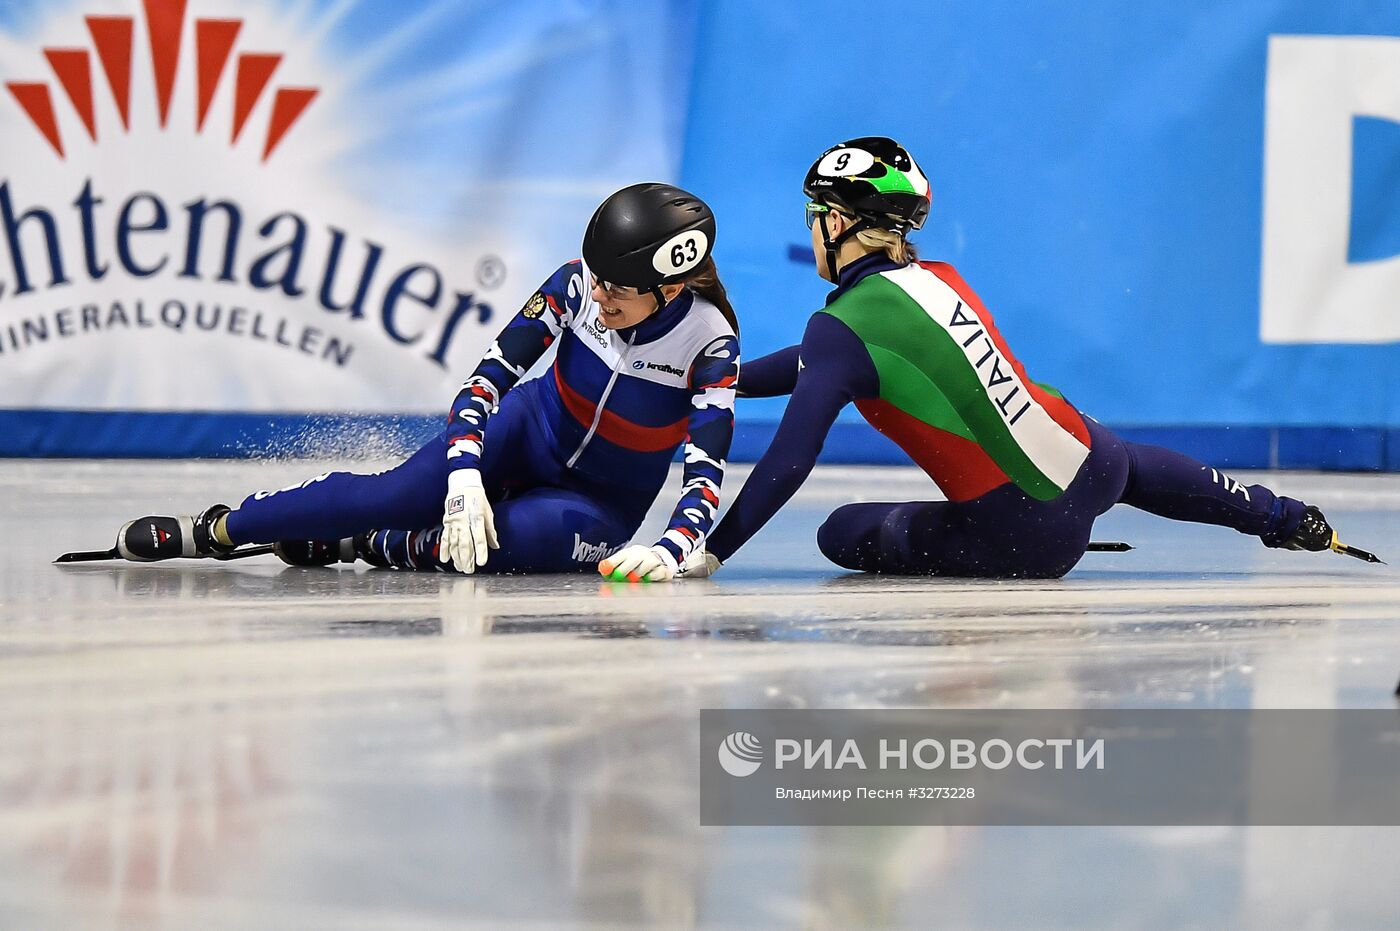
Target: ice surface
{"type": "Point", "coordinates": [254, 746]}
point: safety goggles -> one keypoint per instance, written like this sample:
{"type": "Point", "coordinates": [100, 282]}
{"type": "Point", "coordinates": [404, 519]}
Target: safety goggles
{"type": "Point", "coordinates": [615, 291]}
{"type": "Point", "coordinates": [814, 210]}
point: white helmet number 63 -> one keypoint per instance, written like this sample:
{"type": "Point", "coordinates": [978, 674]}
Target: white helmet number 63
{"type": "Point", "coordinates": [681, 253]}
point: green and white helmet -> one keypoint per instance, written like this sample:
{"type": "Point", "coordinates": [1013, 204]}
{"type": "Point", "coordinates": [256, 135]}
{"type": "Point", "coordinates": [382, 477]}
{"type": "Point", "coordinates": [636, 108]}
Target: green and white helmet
{"type": "Point", "coordinates": [873, 178]}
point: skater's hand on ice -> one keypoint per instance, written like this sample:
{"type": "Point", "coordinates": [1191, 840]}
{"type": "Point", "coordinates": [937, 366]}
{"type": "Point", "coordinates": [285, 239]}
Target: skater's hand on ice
{"type": "Point", "coordinates": [468, 526]}
{"type": "Point", "coordinates": [639, 563]}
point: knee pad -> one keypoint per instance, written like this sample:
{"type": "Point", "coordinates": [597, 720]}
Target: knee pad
{"type": "Point", "coordinates": [835, 539]}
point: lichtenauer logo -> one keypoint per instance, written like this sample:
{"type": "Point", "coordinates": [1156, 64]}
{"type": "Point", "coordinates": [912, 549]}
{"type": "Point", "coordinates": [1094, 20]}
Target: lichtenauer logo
{"type": "Point", "coordinates": [263, 205]}
{"type": "Point", "coordinates": [740, 754]}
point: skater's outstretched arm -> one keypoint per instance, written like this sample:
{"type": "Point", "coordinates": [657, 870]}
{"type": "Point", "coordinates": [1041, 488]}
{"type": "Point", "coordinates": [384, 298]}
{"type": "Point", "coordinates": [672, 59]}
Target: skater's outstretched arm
{"type": "Point", "coordinates": [835, 370]}
{"type": "Point", "coordinates": [520, 345]}
{"type": "Point", "coordinates": [709, 433]}
{"type": "Point", "coordinates": [772, 375]}
{"type": "Point", "coordinates": [711, 430]}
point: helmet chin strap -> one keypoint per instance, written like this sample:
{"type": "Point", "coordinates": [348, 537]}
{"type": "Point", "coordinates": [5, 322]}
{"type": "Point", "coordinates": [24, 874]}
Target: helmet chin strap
{"type": "Point", "coordinates": [660, 298]}
{"type": "Point", "coordinates": [831, 245]}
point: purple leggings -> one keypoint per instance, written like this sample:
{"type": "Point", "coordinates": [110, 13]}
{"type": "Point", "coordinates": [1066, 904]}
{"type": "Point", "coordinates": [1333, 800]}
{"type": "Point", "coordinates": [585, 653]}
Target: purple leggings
{"type": "Point", "coordinates": [1007, 534]}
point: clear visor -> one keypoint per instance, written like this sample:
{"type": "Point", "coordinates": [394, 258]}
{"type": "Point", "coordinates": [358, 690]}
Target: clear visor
{"type": "Point", "coordinates": [614, 291]}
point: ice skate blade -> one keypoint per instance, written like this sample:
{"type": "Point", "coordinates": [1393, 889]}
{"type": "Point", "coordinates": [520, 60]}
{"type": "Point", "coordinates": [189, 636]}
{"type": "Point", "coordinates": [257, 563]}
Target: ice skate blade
{"type": "Point", "coordinates": [89, 555]}
{"type": "Point", "coordinates": [1363, 555]}
{"type": "Point", "coordinates": [243, 552]}
{"type": "Point", "coordinates": [261, 549]}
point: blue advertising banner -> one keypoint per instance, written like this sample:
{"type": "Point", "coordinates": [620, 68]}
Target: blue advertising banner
{"type": "Point", "coordinates": [1184, 216]}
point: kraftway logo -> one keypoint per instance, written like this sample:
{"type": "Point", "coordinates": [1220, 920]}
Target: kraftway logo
{"type": "Point", "coordinates": [305, 286]}
{"type": "Point", "coordinates": [740, 754]}
{"type": "Point", "coordinates": [662, 367]}
{"type": "Point", "coordinates": [592, 552]}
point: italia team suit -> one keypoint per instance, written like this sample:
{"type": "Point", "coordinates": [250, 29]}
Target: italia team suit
{"type": "Point", "coordinates": [571, 460]}
{"type": "Point", "coordinates": [1024, 472]}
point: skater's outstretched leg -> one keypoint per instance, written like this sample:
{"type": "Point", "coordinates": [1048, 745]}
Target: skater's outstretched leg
{"type": "Point", "coordinates": [1170, 484]}
{"type": "Point", "coordinates": [309, 520]}
{"type": "Point", "coordinates": [339, 505]}
{"type": "Point", "coordinates": [336, 505]}
{"type": "Point", "coordinates": [328, 507]}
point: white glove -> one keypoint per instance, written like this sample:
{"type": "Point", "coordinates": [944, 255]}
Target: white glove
{"type": "Point", "coordinates": [468, 526]}
{"type": "Point", "coordinates": [639, 563]}
{"type": "Point", "coordinates": [698, 565]}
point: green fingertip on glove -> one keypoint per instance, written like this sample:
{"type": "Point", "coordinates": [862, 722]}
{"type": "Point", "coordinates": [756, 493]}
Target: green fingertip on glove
{"type": "Point", "coordinates": [619, 576]}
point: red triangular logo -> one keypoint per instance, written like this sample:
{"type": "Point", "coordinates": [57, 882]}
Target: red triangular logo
{"type": "Point", "coordinates": [112, 39]}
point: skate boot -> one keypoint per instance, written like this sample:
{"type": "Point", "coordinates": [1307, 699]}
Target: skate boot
{"type": "Point", "coordinates": [317, 552]}
{"type": "Point", "coordinates": [150, 539]}
{"type": "Point", "coordinates": [1314, 534]}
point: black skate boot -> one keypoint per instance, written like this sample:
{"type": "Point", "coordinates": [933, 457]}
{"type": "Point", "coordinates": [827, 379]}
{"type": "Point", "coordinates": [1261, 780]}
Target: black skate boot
{"type": "Point", "coordinates": [1314, 534]}
{"type": "Point", "coordinates": [315, 552]}
{"type": "Point", "coordinates": [150, 539]}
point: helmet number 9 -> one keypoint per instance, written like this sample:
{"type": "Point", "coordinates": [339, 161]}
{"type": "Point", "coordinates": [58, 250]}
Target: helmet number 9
{"type": "Point", "coordinates": [839, 163]}
{"type": "Point", "coordinates": [681, 252]}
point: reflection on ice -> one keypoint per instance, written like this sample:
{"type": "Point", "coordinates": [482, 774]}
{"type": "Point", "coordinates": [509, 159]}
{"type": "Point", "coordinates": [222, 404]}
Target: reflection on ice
{"type": "Point", "coordinates": [255, 746]}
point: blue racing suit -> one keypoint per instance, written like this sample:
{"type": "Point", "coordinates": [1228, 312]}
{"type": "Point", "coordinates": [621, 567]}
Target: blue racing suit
{"type": "Point", "coordinates": [571, 460]}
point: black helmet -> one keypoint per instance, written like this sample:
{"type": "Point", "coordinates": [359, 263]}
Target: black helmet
{"type": "Point", "coordinates": [648, 235]}
{"type": "Point", "coordinates": [874, 178]}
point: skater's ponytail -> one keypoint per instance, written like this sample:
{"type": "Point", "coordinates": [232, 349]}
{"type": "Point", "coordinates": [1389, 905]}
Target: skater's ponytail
{"type": "Point", "coordinates": [896, 248]}
{"type": "Point", "coordinates": [705, 282]}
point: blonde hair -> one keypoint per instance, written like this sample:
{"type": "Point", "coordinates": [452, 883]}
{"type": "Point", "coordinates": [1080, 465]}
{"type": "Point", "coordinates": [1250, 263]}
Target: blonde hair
{"type": "Point", "coordinates": [896, 247]}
